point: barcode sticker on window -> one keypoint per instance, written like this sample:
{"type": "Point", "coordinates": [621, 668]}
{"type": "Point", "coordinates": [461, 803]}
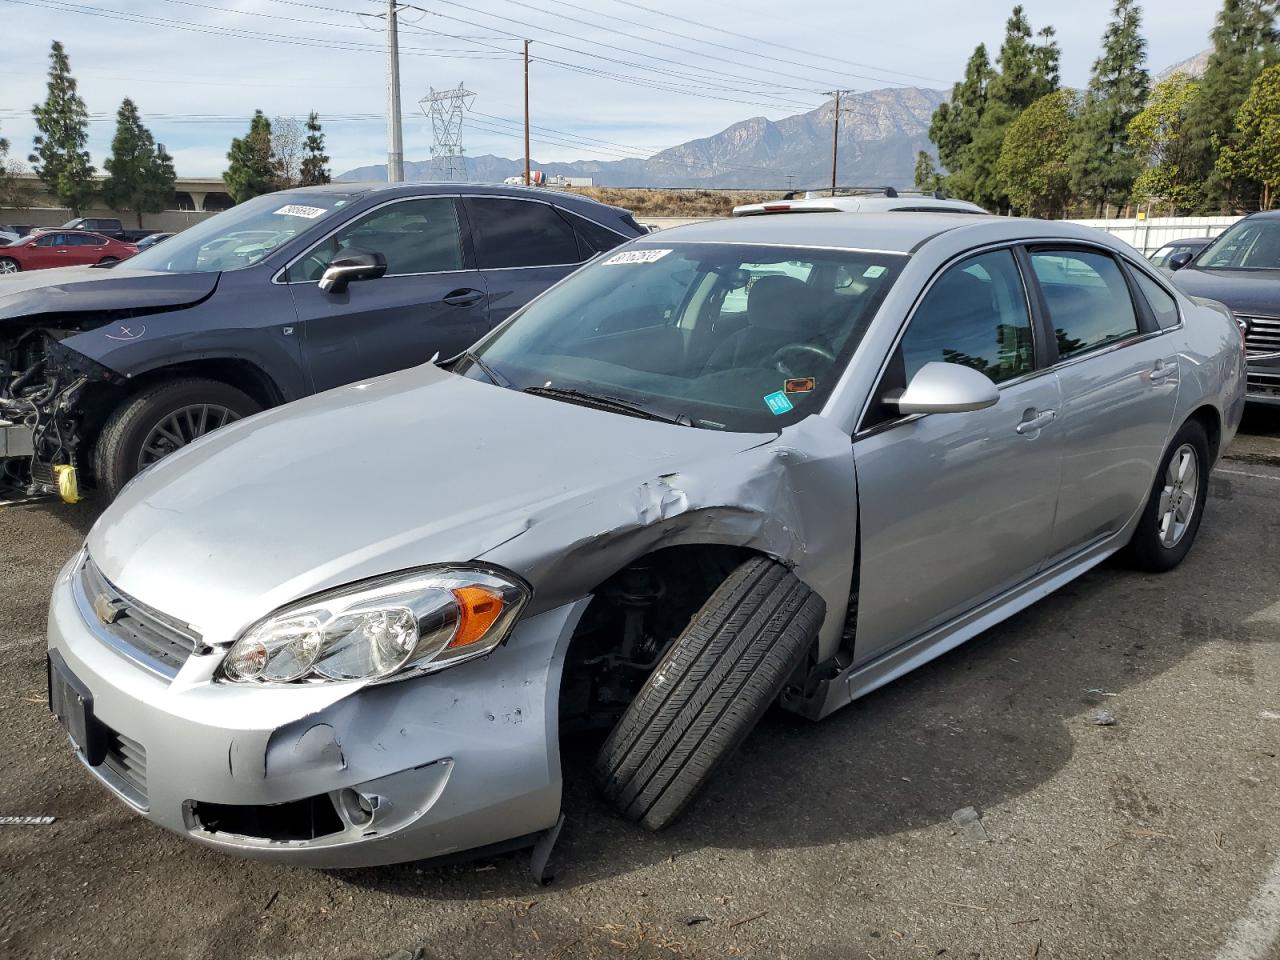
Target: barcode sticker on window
{"type": "Point", "coordinates": [636, 256]}
{"type": "Point", "coordinates": [297, 210]}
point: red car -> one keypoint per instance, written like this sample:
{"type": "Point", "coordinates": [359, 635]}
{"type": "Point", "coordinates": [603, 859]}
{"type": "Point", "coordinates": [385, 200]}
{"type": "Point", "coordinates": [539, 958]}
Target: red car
{"type": "Point", "coordinates": [62, 248]}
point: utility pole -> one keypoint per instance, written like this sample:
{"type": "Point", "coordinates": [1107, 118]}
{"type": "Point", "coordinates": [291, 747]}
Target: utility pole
{"type": "Point", "coordinates": [835, 136]}
{"type": "Point", "coordinates": [395, 145]}
{"type": "Point", "coordinates": [526, 113]}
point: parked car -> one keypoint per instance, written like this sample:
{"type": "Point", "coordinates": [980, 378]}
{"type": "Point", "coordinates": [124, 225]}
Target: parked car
{"type": "Point", "coordinates": [350, 631]}
{"type": "Point", "coordinates": [106, 371]}
{"type": "Point", "coordinates": [1192, 245]}
{"type": "Point", "coordinates": [61, 248]}
{"type": "Point", "coordinates": [107, 226]}
{"type": "Point", "coordinates": [8, 235]}
{"type": "Point", "coordinates": [1241, 268]}
{"type": "Point", "coordinates": [859, 200]}
{"type": "Point", "coordinates": [151, 239]}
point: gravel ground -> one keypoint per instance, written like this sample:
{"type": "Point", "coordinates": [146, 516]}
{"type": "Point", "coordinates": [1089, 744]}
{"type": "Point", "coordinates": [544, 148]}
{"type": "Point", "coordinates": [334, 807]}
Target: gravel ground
{"type": "Point", "coordinates": [1149, 838]}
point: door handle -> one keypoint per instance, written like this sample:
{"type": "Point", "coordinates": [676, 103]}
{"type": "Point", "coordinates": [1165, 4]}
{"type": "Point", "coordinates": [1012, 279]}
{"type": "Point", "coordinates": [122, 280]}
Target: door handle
{"type": "Point", "coordinates": [1034, 422]}
{"type": "Point", "coordinates": [1161, 371]}
{"type": "Point", "coordinates": [464, 297]}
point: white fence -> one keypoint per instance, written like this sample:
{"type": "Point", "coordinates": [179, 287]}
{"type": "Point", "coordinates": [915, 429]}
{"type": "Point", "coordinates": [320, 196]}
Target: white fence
{"type": "Point", "coordinates": [1150, 235]}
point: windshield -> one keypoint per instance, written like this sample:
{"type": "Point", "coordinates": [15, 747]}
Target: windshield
{"type": "Point", "coordinates": [720, 336]}
{"type": "Point", "coordinates": [238, 237]}
{"type": "Point", "coordinates": [1251, 244]}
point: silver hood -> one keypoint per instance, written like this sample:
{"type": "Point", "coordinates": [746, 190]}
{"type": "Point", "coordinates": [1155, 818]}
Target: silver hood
{"type": "Point", "coordinates": [417, 467]}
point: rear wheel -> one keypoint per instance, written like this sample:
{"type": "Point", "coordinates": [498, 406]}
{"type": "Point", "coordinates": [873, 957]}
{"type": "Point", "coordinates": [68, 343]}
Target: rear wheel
{"type": "Point", "coordinates": [709, 691]}
{"type": "Point", "coordinates": [9, 265]}
{"type": "Point", "coordinates": [1175, 505]}
{"type": "Point", "coordinates": [152, 424]}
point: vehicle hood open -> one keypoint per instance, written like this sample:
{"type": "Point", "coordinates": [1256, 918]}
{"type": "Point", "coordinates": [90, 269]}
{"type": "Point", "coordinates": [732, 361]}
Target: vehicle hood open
{"type": "Point", "coordinates": [113, 293]}
{"type": "Point", "coordinates": [1244, 291]}
{"type": "Point", "coordinates": [414, 468]}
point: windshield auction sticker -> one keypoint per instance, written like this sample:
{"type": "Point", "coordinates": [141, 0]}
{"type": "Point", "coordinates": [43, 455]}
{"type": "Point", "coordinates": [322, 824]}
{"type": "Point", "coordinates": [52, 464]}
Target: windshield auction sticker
{"type": "Point", "coordinates": [636, 256]}
{"type": "Point", "coordinates": [297, 210]}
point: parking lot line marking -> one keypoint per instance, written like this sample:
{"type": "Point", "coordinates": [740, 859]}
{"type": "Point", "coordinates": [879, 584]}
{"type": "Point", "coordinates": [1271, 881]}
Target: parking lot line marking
{"type": "Point", "coordinates": [1242, 473]}
{"type": "Point", "coordinates": [1254, 934]}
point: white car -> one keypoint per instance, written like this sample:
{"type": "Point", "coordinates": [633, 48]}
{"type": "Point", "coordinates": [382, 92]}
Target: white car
{"type": "Point", "coordinates": [883, 200]}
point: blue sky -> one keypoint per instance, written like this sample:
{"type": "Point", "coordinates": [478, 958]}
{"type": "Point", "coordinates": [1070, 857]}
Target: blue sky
{"type": "Point", "coordinates": [197, 74]}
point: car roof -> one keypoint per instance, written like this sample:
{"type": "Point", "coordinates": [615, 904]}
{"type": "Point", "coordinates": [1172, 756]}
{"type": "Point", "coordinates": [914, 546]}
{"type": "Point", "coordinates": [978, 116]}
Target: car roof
{"type": "Point", "coordinates": [858, 204]}
{"type": "Point", "coordinates": [897, 232]}
{"type": "Point", "coordinates": [417, 188]}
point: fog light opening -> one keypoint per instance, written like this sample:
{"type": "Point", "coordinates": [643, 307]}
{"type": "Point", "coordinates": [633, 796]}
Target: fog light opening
{"type": "Point", "coordinates": [356, 807]}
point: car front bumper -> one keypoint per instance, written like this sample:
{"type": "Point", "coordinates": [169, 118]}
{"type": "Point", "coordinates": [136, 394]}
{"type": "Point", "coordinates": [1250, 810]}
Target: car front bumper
{"type": "Point", "coordinates": [449, 762]}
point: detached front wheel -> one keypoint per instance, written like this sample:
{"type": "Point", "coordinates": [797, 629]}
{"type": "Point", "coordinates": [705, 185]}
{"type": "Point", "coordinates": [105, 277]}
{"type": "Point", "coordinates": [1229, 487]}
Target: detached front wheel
{"type": "Point", "coordinates": [152, 424]}
{"type": "Point", "coordinates": [709, 691]}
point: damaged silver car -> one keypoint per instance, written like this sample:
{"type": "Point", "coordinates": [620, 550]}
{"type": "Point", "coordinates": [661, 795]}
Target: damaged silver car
{"type": "Point", "coordinates": [770, 460]}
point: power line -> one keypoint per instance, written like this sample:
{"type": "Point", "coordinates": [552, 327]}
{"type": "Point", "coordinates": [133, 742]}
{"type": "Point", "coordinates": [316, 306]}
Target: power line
{"type": "Point", "coordinates": [812, 81]}
{"type": "Point", "coordinates": [740, 78]}
{"type": "Point", "coordinates": [774, 43]}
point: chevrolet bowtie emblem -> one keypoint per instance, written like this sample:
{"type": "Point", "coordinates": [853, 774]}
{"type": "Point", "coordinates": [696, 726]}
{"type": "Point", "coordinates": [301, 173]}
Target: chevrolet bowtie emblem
{"type": "Point", "coordinates": [108, 610]}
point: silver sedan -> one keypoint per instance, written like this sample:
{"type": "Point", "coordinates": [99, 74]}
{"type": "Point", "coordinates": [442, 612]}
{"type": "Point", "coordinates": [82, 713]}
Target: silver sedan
{"type": "Point", "coordinates": [775, 459]}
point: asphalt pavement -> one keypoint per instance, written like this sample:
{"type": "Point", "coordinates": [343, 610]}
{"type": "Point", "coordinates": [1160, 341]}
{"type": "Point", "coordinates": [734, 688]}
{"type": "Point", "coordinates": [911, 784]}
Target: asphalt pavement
{"type": "Point", "coordinates": [1153, 836]}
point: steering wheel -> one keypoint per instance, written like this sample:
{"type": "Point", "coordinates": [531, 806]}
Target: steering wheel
{"type": "Point", "coordinates": [779, 359]}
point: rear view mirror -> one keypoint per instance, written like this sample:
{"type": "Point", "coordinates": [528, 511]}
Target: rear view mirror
{"type": "Point", "coordinates": [1179, 260]}
{"type": "Point", "coordinates": [947, 388]}
{"type": "Point", "coordinates": [352, 266]}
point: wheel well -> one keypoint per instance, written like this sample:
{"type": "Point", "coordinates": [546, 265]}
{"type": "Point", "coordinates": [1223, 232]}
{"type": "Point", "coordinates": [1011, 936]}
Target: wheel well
{"type": "Point", "coordinates": [244, 375]}
{"type": "Point", "coordinates": [1208, 418]}
{"type": "Point", "coordinates": [633, 617]}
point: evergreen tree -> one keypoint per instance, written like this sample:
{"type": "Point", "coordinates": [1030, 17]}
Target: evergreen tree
{"type": "Point", "coordinates": [315, 162]}
{"type": "Point", "coordinates": [1161, 140]}
{"type": "Point", "coordinates": [1103, 166]}
{"type": "Point", "coordinates": [1033, 165]}
{"type": "Point", "coordinates": [927, 177]}
{"type": "Point", "coordinates": [1028, 71]}
{"type": "Point", "coordinates": [1254, 154]}
{"type": "Point", "coordinates": [59, 155]}
{"type": "Point", "coordinates": [1244, 42]}
{"type": "Point", "coordinates": [251, 169]}
{"type": "Point", "coordinates": [140, 172]}
{"type": "Point", "coordinates": [951, 128]}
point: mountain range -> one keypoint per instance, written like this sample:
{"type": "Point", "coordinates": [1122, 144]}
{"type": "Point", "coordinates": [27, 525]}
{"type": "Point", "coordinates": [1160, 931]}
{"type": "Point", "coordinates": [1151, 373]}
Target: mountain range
{"type": "Point", "coordinates": [880, 133]}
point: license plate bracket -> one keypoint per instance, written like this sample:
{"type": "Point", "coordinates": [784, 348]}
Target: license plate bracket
{"type": "Point", "coordinates": [72, 703]}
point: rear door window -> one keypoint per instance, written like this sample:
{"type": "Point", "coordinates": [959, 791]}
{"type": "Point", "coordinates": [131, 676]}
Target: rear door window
{"type": "Point", "coordinates": [1159, 299]}
{"type": "Point", "coordinates": [1088, 299]}
{"type": "Point", "coordinates": [520, 233]}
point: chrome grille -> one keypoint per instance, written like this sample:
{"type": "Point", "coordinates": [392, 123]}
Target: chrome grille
{"type": "Point", "coordinates": [125, 768]}
{"type": "Point", "coordinates": [1263, 336]}
{"type": "Point", "coordinates": [143, 634]}
{"type": "Point", "coordinates": [1263, 384]}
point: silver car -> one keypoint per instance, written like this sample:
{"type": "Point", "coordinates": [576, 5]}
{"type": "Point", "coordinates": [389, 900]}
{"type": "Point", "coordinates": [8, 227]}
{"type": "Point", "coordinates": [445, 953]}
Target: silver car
{"type": "Point", "coordinates": [773, 459]}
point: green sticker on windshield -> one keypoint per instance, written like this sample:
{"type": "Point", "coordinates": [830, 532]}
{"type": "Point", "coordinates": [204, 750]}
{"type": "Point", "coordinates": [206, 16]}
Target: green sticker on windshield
{"type": "Point", "coordinates": [779, 403]}
{"type": "Point", "coordinates": [873, 271]}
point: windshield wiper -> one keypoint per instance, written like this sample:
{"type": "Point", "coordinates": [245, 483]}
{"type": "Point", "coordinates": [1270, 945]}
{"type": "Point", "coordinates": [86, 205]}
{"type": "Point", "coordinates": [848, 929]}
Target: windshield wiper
{"type": "Point", "coordinates": [611, 404]}
{"type": "Point", "coordinates": [494, 376]}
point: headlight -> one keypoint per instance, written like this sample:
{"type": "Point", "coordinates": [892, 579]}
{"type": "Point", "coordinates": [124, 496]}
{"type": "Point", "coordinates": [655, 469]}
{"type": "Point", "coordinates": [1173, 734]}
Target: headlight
{"type": "Point", "coordinates": [415, 622]}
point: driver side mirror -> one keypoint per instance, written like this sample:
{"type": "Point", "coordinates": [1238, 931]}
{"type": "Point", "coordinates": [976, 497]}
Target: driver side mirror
{"type": "Point", "coordinates": [941, 387]}
{"type": "Point", "coordinates": [352, 266]}
{"type": "Point", "coordinates": [1179, 260]}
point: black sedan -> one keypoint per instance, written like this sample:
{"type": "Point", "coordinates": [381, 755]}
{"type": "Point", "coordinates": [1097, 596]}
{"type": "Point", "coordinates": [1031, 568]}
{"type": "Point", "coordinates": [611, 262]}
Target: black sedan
{"type": "Point", "coordinates": [1242, 269]}
{"type": "Point", "coordinates": [1187, 245]}
{"type": "Point", "coordinates": [106, 371]}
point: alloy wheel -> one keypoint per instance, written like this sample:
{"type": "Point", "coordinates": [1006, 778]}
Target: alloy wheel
{"type": "Point", "coordinates": [181, 427]}
{"type": "Point", "coordinates": [9, 266]}
{"type": "Point", "coordinates": [1179, 495]}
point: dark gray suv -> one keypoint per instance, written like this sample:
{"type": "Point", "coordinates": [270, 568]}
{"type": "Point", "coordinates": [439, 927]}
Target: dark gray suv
{"type": "Point", "coordinates": [106, 371]}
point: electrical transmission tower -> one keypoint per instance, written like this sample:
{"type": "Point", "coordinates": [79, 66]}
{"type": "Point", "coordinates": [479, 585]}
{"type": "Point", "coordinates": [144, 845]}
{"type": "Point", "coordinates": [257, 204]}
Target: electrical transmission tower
{"type": "Point", "coordinates": [446, 109]}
